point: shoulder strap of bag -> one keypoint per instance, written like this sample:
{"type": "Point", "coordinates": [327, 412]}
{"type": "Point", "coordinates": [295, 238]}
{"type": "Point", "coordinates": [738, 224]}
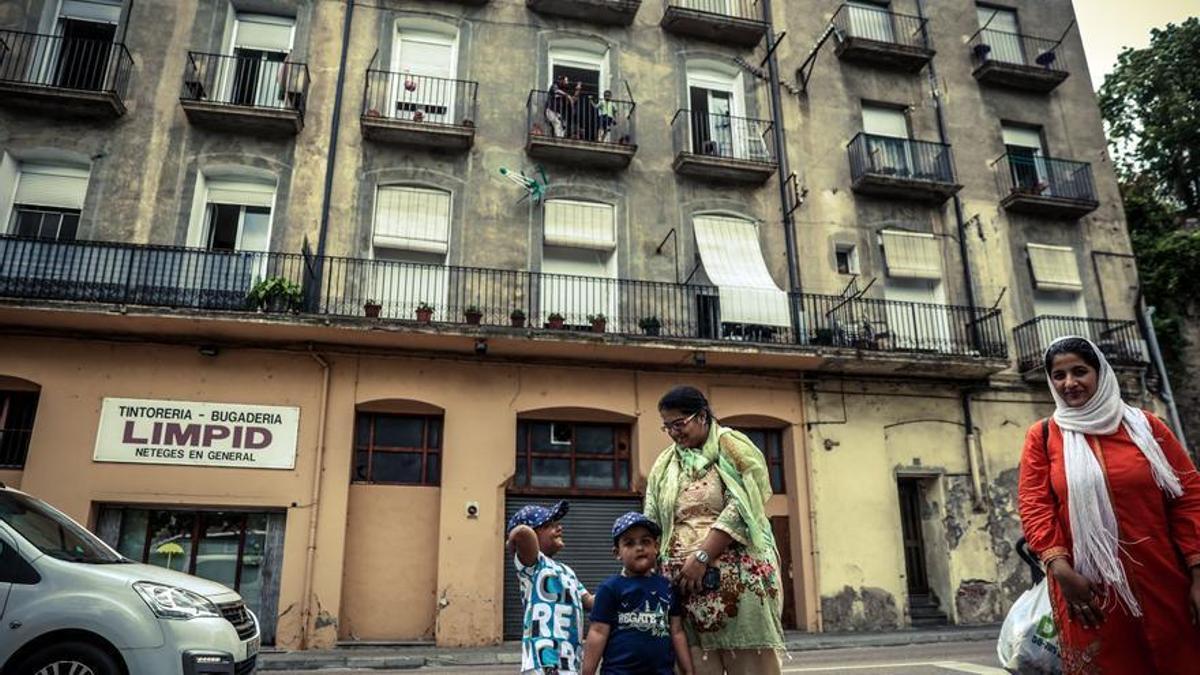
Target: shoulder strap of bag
{"type": "Point", "coordinates": [1046, 433]}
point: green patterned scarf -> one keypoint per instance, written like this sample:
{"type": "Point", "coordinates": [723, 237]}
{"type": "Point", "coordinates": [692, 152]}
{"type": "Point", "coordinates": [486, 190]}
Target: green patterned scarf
{"type": "Point", "coordinates": [743, 471]}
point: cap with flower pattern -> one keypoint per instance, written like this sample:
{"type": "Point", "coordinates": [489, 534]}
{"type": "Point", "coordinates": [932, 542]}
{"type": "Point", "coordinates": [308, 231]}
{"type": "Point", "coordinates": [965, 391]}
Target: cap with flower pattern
{"type": "Point", "coordinates": [536, 515]}
{"type": "Point", "coordinates": [631, 519]}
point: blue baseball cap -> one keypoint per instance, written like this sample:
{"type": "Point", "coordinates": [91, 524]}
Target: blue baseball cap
{"type": "Point", "coordinates": [536, 515]}
{"type": "Point", "coordinates": [632, 519]}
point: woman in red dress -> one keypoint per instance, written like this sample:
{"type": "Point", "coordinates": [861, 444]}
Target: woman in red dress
{"type": "Point", "coordinates": [1111, 503]}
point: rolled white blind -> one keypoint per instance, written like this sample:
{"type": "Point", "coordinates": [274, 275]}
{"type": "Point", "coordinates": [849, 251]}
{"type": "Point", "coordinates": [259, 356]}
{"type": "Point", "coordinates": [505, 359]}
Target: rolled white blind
{"type": "Point", "coordinates": [416, 219]}
{"type": "Point", "coordinates": [268, 33]}
{"type": "Point", "coordinates": [580, 224]}
{"type": "Point", "coordinates": [1054, 268]}
{"type": "Point", "coordinates": [911, 255]}
{"type": "Point", "coordinates": [733, 261]}
{"type": "Point", "coordinates": [56, 186]}
{"type": "Point", "coordinates": [241, 193]}
{"type": "Point", "coordinates": [103, 11]}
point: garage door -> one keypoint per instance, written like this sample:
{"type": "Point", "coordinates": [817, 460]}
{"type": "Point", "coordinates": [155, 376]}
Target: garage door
{"type": "Point", "coordinates": [587, 532]}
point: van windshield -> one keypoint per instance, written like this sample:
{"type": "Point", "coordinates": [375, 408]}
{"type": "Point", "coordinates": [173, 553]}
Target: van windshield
{"type": "Point", "coordinates": [51, 532]}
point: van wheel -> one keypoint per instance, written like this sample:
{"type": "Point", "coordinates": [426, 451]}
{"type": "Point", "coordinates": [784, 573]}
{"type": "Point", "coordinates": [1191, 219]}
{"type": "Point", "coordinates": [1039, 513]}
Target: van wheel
{"type": "Point", "coordinates": [69, 658]}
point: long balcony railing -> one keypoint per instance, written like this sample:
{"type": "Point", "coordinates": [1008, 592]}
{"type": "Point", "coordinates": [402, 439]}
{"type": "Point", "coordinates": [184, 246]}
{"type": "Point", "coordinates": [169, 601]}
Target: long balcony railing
{"type": "Point", "coordinates": [582, 116]}
{"type": "Point", "coordinates": [14, 447]}
{"type": "Point", "coordinates": [177, 277]}
{"type": "Point", "coordinates": [1121, 341]}
{"type": "Point", "coordinates": [246, 81]}
{"type": "Point", "coordinates": [418, 98]}
{"type": "Point", "coordinates": [161, 276]}
{"type": "Point", "coordinates": [65, 63]}
{"type": "Point", "coordinates": [1046, 177]}
{"type": "Point", "coordinates": [750, 10]}
{"type": "Point", "coordinates": [881, 25]}
{"type": "Point", "coordinates": [1015, 49]}
{"type": "Point", "coordinates": [723, 136]}
{"type": "Point", "coordinates": [901, 158]}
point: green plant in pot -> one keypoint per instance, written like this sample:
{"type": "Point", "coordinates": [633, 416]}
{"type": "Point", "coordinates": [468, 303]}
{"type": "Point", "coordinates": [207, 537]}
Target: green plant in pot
{"type": "Point", "coordinates": [599, 322]}
{"type": "Point", "coordinates": [650, 325]}
{"type": "Point", "coordinates": [556, 320]}
{"type": "Point", "coordinates": [517, 317]}
{"type": "Point", "coordinates": [424, 312]}
{"type": "Point", "coordinates": [473, 315]}
{"type": "Point", "coordinates": [372, 309]}
{"type": "Point", "coordinates": [276, 295]}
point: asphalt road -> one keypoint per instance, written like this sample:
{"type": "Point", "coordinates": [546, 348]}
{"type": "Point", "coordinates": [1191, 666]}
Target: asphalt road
{"type": "Point", "coordinates": [978, 658]}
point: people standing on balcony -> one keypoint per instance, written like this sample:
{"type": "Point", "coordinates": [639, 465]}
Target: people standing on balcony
{"type": "Point", "coordinates": [709, 492]}
{"type": "Point", "coordinates": [606, 114]}
{"type": "Point", "coordinates": [558, 106]}
{"type": "Point", "coordinates": [1111, 503]}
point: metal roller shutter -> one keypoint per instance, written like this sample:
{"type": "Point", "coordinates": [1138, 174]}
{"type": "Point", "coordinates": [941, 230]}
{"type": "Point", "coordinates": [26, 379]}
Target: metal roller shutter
{"type": "Point", "coordinates": [587, 531]}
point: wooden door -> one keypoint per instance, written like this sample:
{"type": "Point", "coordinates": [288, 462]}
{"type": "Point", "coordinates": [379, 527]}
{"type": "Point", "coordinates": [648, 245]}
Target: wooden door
{"type": "Point", "coordinates": [914, 543]}
{"type": "Point", "coordinates": [783, 540]}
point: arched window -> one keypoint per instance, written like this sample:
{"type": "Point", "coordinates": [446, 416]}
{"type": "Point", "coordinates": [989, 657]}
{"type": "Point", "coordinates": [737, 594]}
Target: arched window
{"type": "Point", "coordinates": [410, 241]}
{"type": "Point", "coordinates": [579, 261]}
{"type": "Point", "coordinates": [424, 70]}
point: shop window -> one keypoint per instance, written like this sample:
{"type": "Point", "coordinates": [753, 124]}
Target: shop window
{"type": "Point", "coordinates": [573, 456]}
{"type": "Point", "coordinates": [17, 411]}
{"type": "Point", "coordinates": [770, 441]}
{"type": "Point", "coordinates": [398, 449]}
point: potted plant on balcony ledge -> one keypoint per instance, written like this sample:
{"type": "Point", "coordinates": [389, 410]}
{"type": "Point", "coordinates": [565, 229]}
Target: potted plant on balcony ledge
{"type": "Point", "coordinates": [517, 317]}
{"type": "Point", "coordinates": [556, 320]}
{"type": "Point", "coordinates": [650, 325]}
{"type": "Point", "coordinates": [599, 322]}
{"type": "Point", "coordinates": [473, 315]}
{"type": "Point", "coordinates": [424, 312]}
{"type": "Point", "coordinates": [275, 295]}
{"type": "Point", "coordinates": [372, 309]}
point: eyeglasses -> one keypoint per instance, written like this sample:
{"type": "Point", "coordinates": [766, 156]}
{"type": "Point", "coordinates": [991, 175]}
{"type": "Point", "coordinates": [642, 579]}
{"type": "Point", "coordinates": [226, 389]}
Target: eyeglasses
{"type": "Point", "coordinates": [679, 424]}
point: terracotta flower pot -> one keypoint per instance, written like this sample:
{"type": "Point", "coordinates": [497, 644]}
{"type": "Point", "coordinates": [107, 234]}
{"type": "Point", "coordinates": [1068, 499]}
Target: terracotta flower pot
{"type": "Point", "coordinates": [556, 322]}
{"type": "Point", "coordinates": [517, 321]}
{"type": "Point", "coordinates": [424, 315]}
{"type": "Point", "coordinates": [473, 318]}
{"type": "Point", "coordinates": [372, 310]}
{"type": "Point", "coordinates": [599, 326]}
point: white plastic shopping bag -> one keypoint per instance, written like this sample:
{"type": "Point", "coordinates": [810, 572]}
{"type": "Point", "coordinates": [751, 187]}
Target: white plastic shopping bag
{"type": "Point", "coordinates": [1029, 639]}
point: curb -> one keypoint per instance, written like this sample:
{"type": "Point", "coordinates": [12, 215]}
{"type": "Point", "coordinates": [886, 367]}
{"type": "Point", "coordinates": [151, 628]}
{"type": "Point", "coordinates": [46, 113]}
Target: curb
{"type": "Point", "coordinates": [413, 658]}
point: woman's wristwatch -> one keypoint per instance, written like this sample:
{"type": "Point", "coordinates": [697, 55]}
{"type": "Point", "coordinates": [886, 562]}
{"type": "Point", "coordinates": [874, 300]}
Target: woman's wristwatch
{"type": "Point", "coordinates": [702, 556]}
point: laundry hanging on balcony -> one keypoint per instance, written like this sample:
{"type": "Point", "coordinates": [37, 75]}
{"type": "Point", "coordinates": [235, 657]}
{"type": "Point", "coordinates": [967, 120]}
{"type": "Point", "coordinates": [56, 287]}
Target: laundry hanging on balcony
{"type": "Point", "coordinates": [1054, 268]}
{"type": "Point", "coordinates": [911, 255]}
{"type": "Point", "coordinates": [733, 260]}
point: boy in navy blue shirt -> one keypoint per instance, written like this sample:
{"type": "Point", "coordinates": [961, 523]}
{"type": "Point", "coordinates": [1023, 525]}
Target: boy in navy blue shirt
{"type": "Point", "coordinates": [637, 620]}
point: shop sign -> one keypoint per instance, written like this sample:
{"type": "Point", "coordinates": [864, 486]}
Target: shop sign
{"type": "Point", "coordinates": [187, 433]}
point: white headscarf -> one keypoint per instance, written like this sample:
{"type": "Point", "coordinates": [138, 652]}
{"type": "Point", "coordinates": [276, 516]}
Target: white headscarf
{"type": "Point", "coordinates": [1093, 521]}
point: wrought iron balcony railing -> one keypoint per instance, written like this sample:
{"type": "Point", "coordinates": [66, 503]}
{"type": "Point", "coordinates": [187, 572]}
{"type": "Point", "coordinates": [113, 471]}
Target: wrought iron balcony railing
{"type": "Point", "coordinates": [1121, 341]}
{"type": "Point", "coordinates": [103, 272]}
{"type": "Point", "coordinates": [580, 116]}
{"type": "Point", "coordinates": [723, 136]}
{"type": "Point", "coordinates": [258, 81]}
{"type": "Point", "coordinates": [435, 101]}
{"type": "Point", "coordinates": [1015, 49]}
{"type": "Point", "coordinates": [900, 158]}
{"type": "Point", "coordinates": [1045, 177]}
{"type": "Point", "coordinates": [881, 25]}
{"type": "Point", "coordinates": [60, 62]}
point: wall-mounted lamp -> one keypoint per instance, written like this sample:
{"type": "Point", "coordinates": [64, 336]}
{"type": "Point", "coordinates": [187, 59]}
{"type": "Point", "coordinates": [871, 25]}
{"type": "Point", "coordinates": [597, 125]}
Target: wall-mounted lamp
{"type": "Point", "coordinates": [209, 350]}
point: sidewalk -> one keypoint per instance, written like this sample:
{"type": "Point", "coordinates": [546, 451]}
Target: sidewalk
{"type": "Point", "coordinates": [406, 657]}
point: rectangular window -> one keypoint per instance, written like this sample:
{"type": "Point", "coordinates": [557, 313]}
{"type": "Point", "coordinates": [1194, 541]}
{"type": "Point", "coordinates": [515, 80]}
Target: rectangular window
{"type": "Point", "coordinates": [398, 449]}
{"type": "Point", "coordinates": [846, 258]}
{"type": "Point", "coordinates": [572, 456]}
{"type": "Point", "coordinates": [42, 222]}
{"type": "Point", "coordinates": [770, 442]}
{"type": "Point", "coordinates": [47, 200]}
{"type": "Point", "coordinates": [17, 412]}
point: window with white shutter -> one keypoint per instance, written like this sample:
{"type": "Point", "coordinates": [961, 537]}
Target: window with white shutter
{"type": "Point", "coordinates": [412, 218]}
{"type": "Point", "coordinates": [911, 255]}
{"type": "Point", "coordinates": [1055, 268]}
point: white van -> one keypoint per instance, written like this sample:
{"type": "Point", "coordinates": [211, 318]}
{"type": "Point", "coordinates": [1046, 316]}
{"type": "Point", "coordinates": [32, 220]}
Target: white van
{"type": "Point", "coordinates": [71, 604]}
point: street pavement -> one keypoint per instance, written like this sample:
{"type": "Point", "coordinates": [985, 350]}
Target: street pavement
{"type": "Point", "coordinates": [978, 657]}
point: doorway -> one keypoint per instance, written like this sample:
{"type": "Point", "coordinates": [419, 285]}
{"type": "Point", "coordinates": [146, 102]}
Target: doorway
{"type": "Point", "coordinates": [783, 542]}
{"type": "Point", "coordinates": [83, 57]}
{"type": "Point", "coordinates": [922, 602]}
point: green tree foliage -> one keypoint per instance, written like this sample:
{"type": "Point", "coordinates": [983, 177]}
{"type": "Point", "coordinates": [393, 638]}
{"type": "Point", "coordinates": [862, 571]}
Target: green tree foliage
{"type": "Point", "coordinates": [1151, 104]}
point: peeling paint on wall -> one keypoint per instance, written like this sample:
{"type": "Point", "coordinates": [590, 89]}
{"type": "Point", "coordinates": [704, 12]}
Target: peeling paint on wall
{"type": "Point", "coordinates": [978, 601]}
{"type": "Point", "coordinates": [865, 609]}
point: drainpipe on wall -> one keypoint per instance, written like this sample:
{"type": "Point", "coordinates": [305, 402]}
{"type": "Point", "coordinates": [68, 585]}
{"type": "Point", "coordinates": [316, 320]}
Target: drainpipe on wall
{"type": "Point", "coordinates": [974, 459]}
{"type": "Point", "coordinates": [963, 252]}
{"type": "Point", "coordinates": [789, 234]}
{"type": "Point", "coordinates": [335, 126]}
{"type": "Point", "coordinates": [314, 504]}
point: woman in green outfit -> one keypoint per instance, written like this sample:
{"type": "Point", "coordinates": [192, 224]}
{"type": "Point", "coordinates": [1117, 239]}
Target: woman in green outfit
{"type": "Point", "coordinates": [709, 492]}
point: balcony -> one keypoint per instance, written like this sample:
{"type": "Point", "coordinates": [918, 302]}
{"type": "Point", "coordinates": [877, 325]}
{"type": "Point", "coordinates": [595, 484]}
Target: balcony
{"type": "Point", "coordinates": [723, 148]}
{"type": "Point", "coordinates": [420, 111]}
{"type": "Point", "coordinates": [825, 332]}
{"type": "Point", "coordinates": [245, 94]}
{"type": "Point", "coordinates": [608, 12]}
{"type": "Point", "coordinates": [67, 77]}
{"type": "Point", "coordinates": [1018, 61]}
{"type": "Point", "coordinates": [882, 39]}
{"type": "Point", "coordinates": [901, 168]}
{"type": "Point", "coordinates": [738, 23]}
{"type": "Point", "coordinates": [573, 130]}
{"type": "Point", "coordinates": [1043, 186]}
{"type": "Point", "coordinates": [1121, 341]}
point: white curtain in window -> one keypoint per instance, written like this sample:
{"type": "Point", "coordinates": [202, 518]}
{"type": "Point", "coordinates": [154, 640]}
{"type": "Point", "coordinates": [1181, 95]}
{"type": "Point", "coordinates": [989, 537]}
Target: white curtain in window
{"type": "Point", "coordinates": [414, 219]}
{"type": "Point", "coordinates": [912, 255]}
{"type": "Point", "coordinates": [1055, 268]}
{"type": "Point", "coordinates": [733, 260]}
{"type": "Point", "coordinates": [580, 224]}
{"type": "Point", "coordinates": [52, 185]}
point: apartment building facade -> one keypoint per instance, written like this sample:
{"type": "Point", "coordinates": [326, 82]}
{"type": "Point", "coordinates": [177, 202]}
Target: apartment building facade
{"type": "Point", "coordinates": [306, 297]}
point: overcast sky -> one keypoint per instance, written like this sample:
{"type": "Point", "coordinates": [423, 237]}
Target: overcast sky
{"type": "Point", "coordinates": [1110, 25]}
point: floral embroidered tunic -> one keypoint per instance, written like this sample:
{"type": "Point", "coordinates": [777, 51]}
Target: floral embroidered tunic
{"type": "Point", "coordinates": [744, 611]}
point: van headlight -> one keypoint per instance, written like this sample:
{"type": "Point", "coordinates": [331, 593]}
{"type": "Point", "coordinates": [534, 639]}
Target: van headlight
{"type": "Point", "coordinates": [171, 602]}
